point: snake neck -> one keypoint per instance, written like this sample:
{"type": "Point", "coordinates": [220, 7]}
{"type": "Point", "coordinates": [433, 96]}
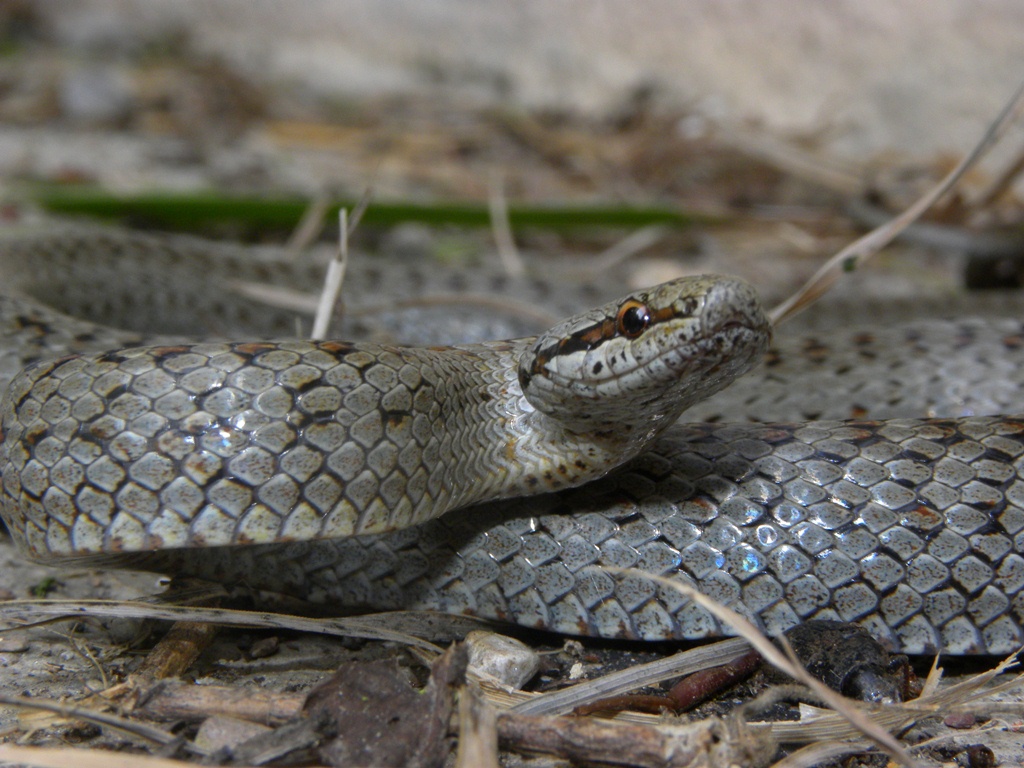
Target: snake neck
{"type": "Point", "coordinates": [503, 447]}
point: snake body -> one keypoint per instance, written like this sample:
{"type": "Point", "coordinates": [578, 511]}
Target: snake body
{"type": "Point", "coordinates": [181, 453]}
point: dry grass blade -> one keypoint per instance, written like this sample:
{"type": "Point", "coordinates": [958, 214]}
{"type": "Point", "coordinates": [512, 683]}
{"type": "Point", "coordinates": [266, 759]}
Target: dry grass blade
{"type": "Point", "coordinates": [336, 268]}
{"type": "Point", "coordinates": [13, 611]}
{"type": "Point", "coordinates": [694, 660]}
{"type": "Point", "coordinates": [360, 209]}
{"type": "Point", "coordinates": [970, 689]}
{"type": "Point", "coordinates": [501, 228]}
{"type": "Point", "coordinates": [309, 226]}
{"type": "Point", "coordinates": [332, 281]}
{"type": "Point", "coordinates": [931, 683]}
{"type": "Point", "coordinates": [49, 757]}
{"type": "Point", "coordinates": [793, 161]}
{"type": "Point", "coordinates": [628, 246]}
{"type": "Point", "coordinates": [306, 303]}
{"type": "Point", "coordinates": [105, 719]}
{"type": "Point", "coordinates": [1000, 186]}
{"type": "Point", "coordinates": [824, 725]}
{"type": "Point", "coordinates": [867, 246]}
{"type": "Point", "coordinates": [299, 302]}
{"type": "Point", "coordinates": [817, 753]}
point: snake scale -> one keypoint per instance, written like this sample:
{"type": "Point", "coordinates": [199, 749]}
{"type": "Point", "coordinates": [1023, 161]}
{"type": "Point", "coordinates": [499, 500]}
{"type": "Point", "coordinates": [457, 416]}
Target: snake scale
{"type": "Point", "coordinates": [172, 455]}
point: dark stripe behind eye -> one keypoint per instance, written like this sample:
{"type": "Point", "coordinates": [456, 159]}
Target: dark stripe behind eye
{"type": "Point", "coordinates": [593, 336]}
{"type": "Point", "coordinates": [580, 341]}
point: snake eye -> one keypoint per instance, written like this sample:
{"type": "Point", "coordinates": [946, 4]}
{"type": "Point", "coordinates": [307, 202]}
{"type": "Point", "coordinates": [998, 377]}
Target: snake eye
{"type": "Point", "coordinates": [633, 319]}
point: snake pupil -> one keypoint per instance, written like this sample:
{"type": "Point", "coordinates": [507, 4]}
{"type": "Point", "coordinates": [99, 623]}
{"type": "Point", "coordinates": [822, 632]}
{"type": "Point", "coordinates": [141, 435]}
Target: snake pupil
{"type": "Point", "coordinates": [633, 319]}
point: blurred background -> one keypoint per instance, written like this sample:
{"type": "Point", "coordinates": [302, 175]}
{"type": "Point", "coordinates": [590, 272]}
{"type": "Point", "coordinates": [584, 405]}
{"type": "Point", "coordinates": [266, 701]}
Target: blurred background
{"type": "Point", "coordinates": [761, 124]}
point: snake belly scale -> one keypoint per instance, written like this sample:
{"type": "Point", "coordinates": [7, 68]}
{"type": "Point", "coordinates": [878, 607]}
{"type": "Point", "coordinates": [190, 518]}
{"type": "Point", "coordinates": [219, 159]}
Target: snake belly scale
{"type": "Point", "coordinates": [173, 456]}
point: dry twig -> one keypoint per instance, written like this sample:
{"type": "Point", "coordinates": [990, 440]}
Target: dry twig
{"type": "Point", "coordinates": [336, 268]}
{"type": "Point", "coordinates": [867, 246]}
{"type": "Point", "coordinates": [501, 228]}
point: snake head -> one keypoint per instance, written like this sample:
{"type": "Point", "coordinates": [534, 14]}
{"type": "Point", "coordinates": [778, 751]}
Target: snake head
{"type": "Point", "coordinates": [634, 365]}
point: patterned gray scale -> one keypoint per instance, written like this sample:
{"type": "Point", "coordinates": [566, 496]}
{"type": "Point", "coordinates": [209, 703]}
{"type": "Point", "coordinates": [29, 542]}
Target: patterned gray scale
{"type": "Point", "coordinates": [912, 528]}
{"type": "Point", "coordinates": [884, 524]}
{"type": "Point", "coordinates": [233, 443]}
{"type": "Point", "coordinates": [187, 287]}
{"type": "Point", "coordinates": [926, 367]}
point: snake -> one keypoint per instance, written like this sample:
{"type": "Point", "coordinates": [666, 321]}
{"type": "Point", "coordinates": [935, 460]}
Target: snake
{"type": "Point", "coordinates": [541, 481]}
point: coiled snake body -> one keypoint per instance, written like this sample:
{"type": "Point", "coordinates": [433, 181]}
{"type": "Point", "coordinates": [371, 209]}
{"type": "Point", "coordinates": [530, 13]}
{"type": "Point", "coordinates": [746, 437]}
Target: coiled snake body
{"type": "Point", "coordinates": [172, 456]}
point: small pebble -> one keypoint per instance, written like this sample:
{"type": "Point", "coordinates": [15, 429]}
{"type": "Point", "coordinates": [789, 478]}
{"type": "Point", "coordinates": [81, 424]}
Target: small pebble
{"type": "Point", "coordinates": [264, 647]}
{"type": "Point", "coordinates": [960, 720]}
{"type": "Point", "coordinates": [501, 657]}
{"type": "Point", "coordinates": [218, 732]}
{"type": "Point", "coordinates": [16, 643]}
